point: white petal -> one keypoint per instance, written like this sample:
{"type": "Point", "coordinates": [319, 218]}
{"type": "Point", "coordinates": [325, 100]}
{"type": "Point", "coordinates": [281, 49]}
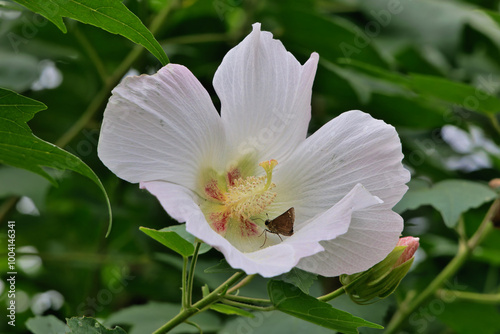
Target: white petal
{"type": "Point", "coordinates": [265, 95]}
{"type": "Point", "coordinates": [373, 233]}
{"type": "Point", "coordinates": [160, 127]}
{"type": "Point", "coordinates": [352, 148]}
{"type": "Point", "coordinates": [181, 204]}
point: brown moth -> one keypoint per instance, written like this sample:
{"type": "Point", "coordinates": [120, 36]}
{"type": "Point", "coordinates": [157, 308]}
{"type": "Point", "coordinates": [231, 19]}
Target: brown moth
{"type": "Point", "coordinates": [283, 224]}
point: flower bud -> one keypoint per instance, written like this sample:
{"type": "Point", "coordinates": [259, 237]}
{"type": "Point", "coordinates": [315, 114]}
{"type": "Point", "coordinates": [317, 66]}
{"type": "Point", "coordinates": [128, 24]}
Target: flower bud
{"type": "Point", "coordinates": [383, 278]}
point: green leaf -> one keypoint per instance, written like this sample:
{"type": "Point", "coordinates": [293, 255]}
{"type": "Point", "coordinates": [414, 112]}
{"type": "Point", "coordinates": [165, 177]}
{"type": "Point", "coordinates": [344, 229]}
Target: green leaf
{"type": "Point", "coordinates": [149, 317]}
{"type": "Point", "coordinates": [221, 267]}
{"type": "Point", "coordinates": [181, 231]}
{"type": "Point", "coordinates": [46, 325]}
{"type": "Point", "coordinates": [20, 148]}
{"type": "Point", "coordinates": [111, 15]}
{"type": "Point", "coordinates": [450, 197]}
{"type": "Point", "coordinates": [494, 15]}
{"type": "Point", "coordinates": [86, 325]}
{"type": "Point", "coordinates": [20, 182]}
{"type": "Point", "coordinates": [300, 278]}
{"type": "Point", "coordinates": [463, 317]}
{"type": "Point", "coordinates": [289, 299]}
{"type": "Point", "coordinates": [469, 97]}
{"type": "Point", "coordinates": [176, 238]}
{"type": "Point", "coordinates": [170, 239]}
{"type": "Point", "coordinates": [18, 71]}
{"type": "Point", "coordinates": [228, 309]}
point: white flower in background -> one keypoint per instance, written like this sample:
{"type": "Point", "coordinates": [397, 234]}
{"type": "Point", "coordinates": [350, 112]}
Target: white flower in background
{"type": "Point", "coordinates": [474, 147]}
{"type": "Point", "coordinates": [225, 174]}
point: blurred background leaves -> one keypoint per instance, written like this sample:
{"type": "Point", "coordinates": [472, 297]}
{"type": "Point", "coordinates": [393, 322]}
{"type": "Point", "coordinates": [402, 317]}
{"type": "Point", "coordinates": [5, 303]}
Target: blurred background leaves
{"type": "Point", "coordinates": [429, 68]}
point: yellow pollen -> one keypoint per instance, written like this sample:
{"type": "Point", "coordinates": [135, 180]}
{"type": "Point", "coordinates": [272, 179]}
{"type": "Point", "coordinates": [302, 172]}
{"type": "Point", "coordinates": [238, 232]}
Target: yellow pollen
{"type": "Point", "coordinates": [251, 195]}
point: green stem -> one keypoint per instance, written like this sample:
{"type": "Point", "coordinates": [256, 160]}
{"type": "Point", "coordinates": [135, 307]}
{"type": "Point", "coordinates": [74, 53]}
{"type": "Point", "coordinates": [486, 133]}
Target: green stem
{"type": "Point", "coordinates": [241, 284]}
{"type": "Point", "coordinates": [91, 53]}
{"type": "Point", "coordinates": [194, 325]}
{"type": "Point", "coordinates": [464, 251]}
{"type": "Point", "coordinates": [210, 299]}
{"type": "Point", "coordinates": [189, 297]}
{"type": "Point", "coordinates": [494, 122]}
{"type": "Point", "coordinates": [332, 295]}
{"type": "Point", "coordinates": [481, 298]}
{"type": "Point", "coordinates": [184, 283]}
{"type": "Point", "coordinates": [7, 207]}
{"type": "Point", "coordinates": [250, 300]}
{"type": "Point", "coordinates": [248, 306]}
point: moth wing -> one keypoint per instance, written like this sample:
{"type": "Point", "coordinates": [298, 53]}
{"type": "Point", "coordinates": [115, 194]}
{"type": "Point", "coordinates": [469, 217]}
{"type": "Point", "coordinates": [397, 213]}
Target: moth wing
{"type": "Point", "coordinates": [283, 224]}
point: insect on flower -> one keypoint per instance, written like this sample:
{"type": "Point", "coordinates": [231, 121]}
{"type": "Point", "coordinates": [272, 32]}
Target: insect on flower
{"type": "Point", "coordinates": [283, 224]}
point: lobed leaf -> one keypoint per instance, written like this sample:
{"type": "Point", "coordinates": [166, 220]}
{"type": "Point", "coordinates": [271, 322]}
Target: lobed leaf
{"type": "Point", "coordinates": [450, 197]}
{"type": "Point", "coordinates": [111, 15]}
{"type": "Point", "coordinates": [20, 148]}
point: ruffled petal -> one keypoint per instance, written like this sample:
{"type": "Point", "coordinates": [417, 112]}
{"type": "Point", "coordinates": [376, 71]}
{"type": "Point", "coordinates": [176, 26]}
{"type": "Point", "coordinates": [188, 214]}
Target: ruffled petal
{"type": "Point", "coordinates": [352, 148]}
{"type": "Point", "coordinates": [161, 127]}
{"type": "Point", "coordinates": [265, 95]}
{"type": "Point", "coordinates": [373, 233]}
{"type": "Point", "coordinates": [181, 204]}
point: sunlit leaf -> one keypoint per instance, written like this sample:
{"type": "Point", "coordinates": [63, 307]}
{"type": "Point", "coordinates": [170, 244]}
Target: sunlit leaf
{"type": "Point", "coordinates": [289, 299]}
{"type": "Point", "coordinates": [111, 15]}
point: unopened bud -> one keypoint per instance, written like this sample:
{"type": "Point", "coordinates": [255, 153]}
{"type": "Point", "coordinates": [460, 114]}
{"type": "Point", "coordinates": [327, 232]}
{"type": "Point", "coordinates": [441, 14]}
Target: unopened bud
{"type": "Point", "coordinates": [383, 278]}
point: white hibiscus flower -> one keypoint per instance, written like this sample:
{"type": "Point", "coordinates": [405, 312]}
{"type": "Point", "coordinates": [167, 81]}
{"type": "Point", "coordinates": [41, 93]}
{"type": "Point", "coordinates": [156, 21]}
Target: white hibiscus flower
{"type": "Point", "coordinates": [220, 173]}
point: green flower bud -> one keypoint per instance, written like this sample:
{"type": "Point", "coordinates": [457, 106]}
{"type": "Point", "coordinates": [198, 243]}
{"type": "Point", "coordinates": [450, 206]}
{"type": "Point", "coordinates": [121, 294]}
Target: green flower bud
{"type": "Point", "coordinates": [383, 278]}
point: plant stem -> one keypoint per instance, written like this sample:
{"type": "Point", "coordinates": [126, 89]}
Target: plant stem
{"type": "Point", "coordinates": [91, 53]}
{"type": "Point", "coordinates": [184, 283]}
{"type": "Point", "coordinates": [210, 299]}
{"type": "Point", "coordinates": [7, 206]}
{"type": "Point", "coordinates": [332, 295]}
{"type": "Point", "coordinates": [481, 298]}
{"type": "Point", "coordinates": [250, 300]}
{"type": "Point", "coordinates": [241, 284]}
{"type": "Point", "coordinates": [190, 280]}
{"type": "Point", "coordinates": [464, 251]}
{"type": "Point", "coordinates": [248, 306]}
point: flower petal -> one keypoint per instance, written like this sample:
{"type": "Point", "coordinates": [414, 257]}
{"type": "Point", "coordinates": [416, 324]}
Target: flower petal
{"type": "Point", "coordinates": [373, 233]}
{"type": "Point", "coordinates": [180, 203]}
{"type": "Point", "coordinates": [352, 148]}
{"type": "Point", "coordinates": [265, 95]}
{"type": "Point", "coordinates": [160, 127]}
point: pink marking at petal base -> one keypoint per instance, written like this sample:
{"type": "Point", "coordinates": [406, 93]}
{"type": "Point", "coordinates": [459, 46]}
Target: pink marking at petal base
{"type": "Point", "coordinates": [248, 228]}
{"type": "Point", "coordinates": [212, 190]}
{"type": "Point", "coordinates": [218, 221]}
{"type": "Point", "coordinates": [233, 175]}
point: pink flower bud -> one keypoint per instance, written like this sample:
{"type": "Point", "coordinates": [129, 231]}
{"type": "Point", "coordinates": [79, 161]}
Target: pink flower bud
{"type": "Point", "coordinates": [408, 253]}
